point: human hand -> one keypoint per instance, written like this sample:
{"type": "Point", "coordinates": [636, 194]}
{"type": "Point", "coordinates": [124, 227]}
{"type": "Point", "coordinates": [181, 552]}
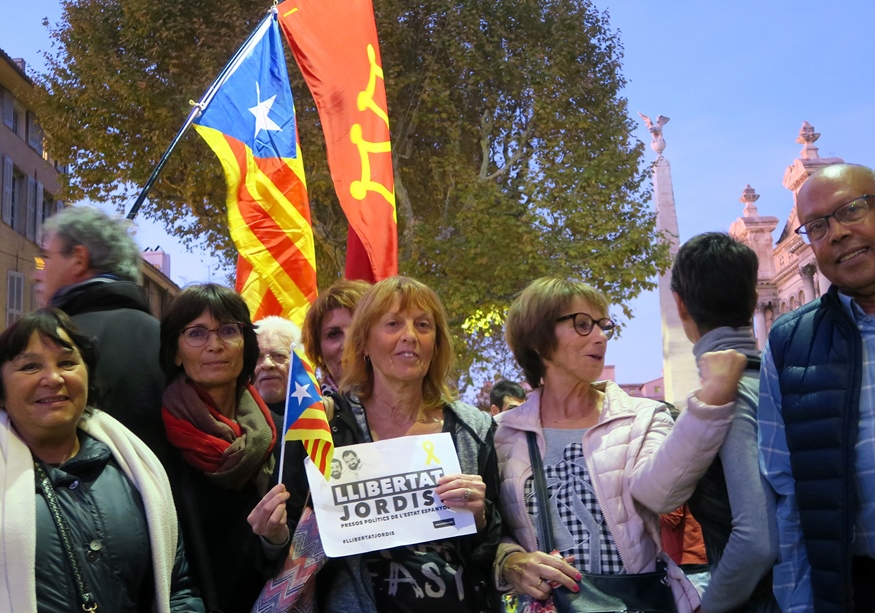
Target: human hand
{"type": "Point", "coordinates": [720, 372]}
{"type": "Point", "coordinates": [268, 518]}
{"type": "Point", "coordinates": [464, 492]}
{"type": "Point", "coordinates": [537, 573]}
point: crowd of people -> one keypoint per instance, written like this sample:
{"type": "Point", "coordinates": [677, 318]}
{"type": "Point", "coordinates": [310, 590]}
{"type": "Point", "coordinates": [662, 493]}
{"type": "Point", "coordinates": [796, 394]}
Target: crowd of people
{"type": "Point", "coordinates": [140, 459]}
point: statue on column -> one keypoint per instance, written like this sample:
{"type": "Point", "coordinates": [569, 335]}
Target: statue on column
{"type": "Point", "coordinates": [658, 143]}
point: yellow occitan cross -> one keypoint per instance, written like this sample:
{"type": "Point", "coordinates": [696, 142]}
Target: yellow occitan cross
{"type": "Point", "coordinates": [365, 101]}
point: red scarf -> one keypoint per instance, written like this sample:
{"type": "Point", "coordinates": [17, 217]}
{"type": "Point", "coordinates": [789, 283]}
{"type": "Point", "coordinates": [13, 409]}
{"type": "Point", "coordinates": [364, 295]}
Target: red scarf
{"type": "Point", "coordinates": [230, 452]}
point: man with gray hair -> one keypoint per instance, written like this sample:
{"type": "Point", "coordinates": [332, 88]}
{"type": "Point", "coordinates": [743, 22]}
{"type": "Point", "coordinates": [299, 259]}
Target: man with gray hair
{"type": "Point", "coordinates": [91, 271]}
{"type": "Point", "coordinates": [275, 338]}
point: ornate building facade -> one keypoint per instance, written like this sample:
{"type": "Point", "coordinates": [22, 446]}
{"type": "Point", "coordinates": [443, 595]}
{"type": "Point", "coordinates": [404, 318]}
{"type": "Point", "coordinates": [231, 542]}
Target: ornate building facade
{"type": "Point", "coordinates": [29, 183]}
{"type": "Point", "coordinates": [788, 275]}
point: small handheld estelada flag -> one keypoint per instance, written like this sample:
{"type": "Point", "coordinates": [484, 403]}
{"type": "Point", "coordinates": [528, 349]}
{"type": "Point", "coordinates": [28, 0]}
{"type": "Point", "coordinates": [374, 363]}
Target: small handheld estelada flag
{"type": "Point", "coordinates": [305, 418]}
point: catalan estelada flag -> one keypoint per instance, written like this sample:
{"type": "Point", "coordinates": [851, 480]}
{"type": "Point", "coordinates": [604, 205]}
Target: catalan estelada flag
{"type": "Point", "coordinates": [305, 414]}
{"type": "Point", "coordinates": [335, 45]}
{"type": "Point", "coordinates": [248, 120]}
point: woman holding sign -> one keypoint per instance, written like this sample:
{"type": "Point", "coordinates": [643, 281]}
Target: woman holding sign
{"type": "Point", "coordinates": [612, 463]}
{"type": "Point", "coordinates": [396, 365]}
{"type": "Point", "coordinates": [234, 523]}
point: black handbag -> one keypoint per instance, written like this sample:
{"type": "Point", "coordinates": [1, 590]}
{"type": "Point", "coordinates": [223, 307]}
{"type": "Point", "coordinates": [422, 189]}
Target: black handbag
{"type": "Point", "coordinates": [644, 592]}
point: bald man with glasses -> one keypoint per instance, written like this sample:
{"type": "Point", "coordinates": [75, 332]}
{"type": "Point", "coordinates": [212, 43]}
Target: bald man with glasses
{"type": "Point", "coordinates": [817, 406]}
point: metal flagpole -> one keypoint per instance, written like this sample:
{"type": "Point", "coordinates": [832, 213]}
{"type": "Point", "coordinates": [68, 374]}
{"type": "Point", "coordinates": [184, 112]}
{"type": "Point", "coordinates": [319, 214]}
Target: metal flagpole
{"type": "Point", "coordinates": [198, 108]}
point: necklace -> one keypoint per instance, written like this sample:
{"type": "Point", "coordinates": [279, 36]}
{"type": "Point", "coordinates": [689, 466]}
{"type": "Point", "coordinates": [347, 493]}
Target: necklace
{"type": "Point", "coordinates": [566, 421]}
{"type": "Point", "coordinates": [424, 418]}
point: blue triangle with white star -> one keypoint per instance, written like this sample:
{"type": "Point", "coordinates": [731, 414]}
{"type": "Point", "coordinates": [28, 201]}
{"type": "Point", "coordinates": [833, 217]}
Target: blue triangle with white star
{"type": "Point", "coordinates": [254, 105]}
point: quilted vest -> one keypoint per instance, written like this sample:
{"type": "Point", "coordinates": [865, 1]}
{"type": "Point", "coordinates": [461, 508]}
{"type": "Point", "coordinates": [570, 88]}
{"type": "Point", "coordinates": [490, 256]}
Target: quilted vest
{"type": "Point", "coordinates": [818, 355]}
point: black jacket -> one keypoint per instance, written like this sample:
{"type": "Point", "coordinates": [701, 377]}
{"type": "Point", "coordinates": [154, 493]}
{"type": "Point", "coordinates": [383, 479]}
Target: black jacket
{"type": "Point", "coordinates": [116, 314]}
{"type": "Point", "coordinates": [107, 522]}
{"type": "Point", "coordinates": [477, 551]}
{"type": "Point", "coordinates": [227, 557]}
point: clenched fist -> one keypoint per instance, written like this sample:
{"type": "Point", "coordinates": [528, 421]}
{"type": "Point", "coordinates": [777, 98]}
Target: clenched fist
{"type": "Point", "coordinates": [720, 372]}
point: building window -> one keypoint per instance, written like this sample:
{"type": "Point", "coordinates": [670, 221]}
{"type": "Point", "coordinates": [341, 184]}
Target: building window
{"type": "Point", "coordinates": [19, 201]}
{"type": "Point", "coordinates": [7, 102]}
{"type": "Point", "coordinates": [48, 207]}
{"type": "Point", "coordinates": [14, 297]}
{"type": "Point", "coordinates": [34, 133]}
{"type": "Point", "coordinates": [19, 121]}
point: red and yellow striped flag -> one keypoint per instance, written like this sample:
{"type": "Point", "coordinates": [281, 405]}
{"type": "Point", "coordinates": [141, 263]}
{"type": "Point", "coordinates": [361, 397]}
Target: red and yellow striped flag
{"type": "Point", "coordinates": [305, 414]}
{"type": "Point", "coordinates": [249, 123]}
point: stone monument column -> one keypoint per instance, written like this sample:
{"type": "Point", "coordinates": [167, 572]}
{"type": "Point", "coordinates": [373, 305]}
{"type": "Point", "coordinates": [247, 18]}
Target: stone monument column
{"type": "Point", "coordinates": [823, 283]}
{"type": "Point", "coordinates": [807, 273]}
{"type": "Point", "coordinates": [680, 374]}
{"type": "Point", "coordinates": [759, 324]}
{"type": "Point", "coordinates": [755, 231]}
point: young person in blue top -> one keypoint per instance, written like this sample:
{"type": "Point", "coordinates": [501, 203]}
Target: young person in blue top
{"type": "Point", "coordinates": [734, 505]}
{"type": "Point", "coordinates": [817, 406]}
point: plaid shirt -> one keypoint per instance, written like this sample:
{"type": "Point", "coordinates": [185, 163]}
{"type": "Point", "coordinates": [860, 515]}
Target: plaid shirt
{"type": "Point", "coordinates": [792, 573]}
{"type": "Point", "coordinates": [581, 531]}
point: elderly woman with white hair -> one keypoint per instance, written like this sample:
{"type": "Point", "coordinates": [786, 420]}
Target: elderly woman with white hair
{"type": "Point", "coordinates": [276, 335]}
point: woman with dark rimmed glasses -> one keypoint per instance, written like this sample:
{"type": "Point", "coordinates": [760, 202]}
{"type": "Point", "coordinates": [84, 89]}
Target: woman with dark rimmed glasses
{"type": "Point", "coordinates": [612, 462]}
{"type": "Point", "coordinates": [234, 523]}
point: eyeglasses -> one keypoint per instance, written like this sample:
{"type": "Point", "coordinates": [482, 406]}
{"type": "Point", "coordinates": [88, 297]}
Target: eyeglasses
{"type": "Point", "coordinates": [277, 357]}
{"type": "Point", "coordinates": [583, 324]}
{"type": "Point", "coordinates": [847, 214]}
{"type": "Point", "coordinates": [197, 336]}
{"type": "Point", "coordinates": [39, 263]}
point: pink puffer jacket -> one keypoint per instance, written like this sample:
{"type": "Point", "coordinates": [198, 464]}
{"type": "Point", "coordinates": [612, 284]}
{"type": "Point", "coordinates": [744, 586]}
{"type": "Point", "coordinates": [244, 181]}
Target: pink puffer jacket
{"type": "Point", "coordinates": [641, 464]}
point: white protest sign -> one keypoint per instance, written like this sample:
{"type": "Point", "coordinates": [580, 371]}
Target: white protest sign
{"type": "Point", "coordinates": [381, 495]}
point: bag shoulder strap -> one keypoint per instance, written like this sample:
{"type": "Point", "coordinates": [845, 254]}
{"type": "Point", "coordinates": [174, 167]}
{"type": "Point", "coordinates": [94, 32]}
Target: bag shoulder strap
{"type": "Point", "coordinates": [328, 403]}
{"type": "Point", "coordinates": [85, 594]}
{"type": "Point", "coordinates": [544, 522]}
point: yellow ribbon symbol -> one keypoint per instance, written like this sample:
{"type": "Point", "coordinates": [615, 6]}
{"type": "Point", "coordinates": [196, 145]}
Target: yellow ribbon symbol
{"type": "Point", "coordinates": [428, 447]}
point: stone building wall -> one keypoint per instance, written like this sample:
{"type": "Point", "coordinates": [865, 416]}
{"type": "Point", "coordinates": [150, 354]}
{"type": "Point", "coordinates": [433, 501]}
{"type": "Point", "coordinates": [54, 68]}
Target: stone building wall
{"type": "Point", "coordinates": [788, 275]}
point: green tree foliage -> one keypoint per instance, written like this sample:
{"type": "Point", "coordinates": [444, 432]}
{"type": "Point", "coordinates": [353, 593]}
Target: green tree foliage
{"type": "Point", "coordinates": [513, 148]}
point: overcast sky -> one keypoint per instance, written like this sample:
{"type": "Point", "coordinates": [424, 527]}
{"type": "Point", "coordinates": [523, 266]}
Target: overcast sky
{"type": "Point", "coordinates": [737, 80]}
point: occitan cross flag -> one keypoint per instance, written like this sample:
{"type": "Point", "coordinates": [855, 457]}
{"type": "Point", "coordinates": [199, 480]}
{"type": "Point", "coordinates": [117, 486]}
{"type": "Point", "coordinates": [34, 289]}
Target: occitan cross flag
{"type": "Point", "coordinates": [336, 47]}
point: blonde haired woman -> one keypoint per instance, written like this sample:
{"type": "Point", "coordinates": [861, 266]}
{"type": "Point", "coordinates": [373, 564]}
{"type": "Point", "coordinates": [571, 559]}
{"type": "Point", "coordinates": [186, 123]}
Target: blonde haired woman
{"type": "Point", "coordinates": [396, 368]}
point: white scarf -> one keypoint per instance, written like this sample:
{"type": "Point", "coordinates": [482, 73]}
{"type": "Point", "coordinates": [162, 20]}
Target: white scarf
{"type": "Point", "coordinates": [18, 509]}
